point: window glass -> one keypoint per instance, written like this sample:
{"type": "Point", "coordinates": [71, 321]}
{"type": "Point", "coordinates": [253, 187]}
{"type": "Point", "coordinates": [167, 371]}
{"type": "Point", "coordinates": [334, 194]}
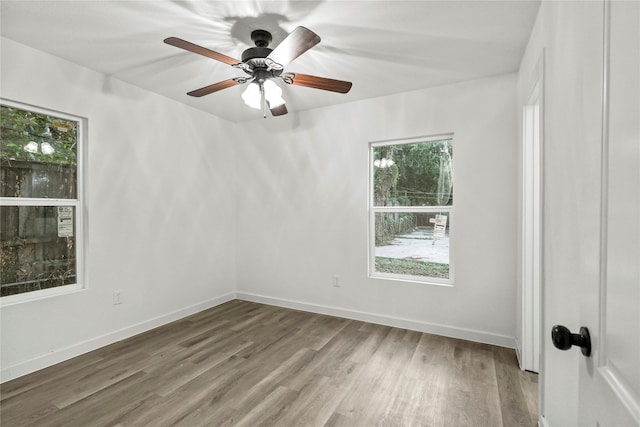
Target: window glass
{"type": "Point", "coordinates": [417, 174]}
{"type": "Point", "coordinates": [41, 210]}
{"type": "Point", "coordinates": [38, 248]}
{"type": "Point", "coordinates": [39, 155]}
{"type": "Point", "coordinates": [412, 243]}
{"type": "Point", "coordinates": [411, 207]}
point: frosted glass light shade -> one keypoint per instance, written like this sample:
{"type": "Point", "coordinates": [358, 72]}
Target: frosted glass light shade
{"type": "Point", "coordinates": [273, 94]}
{"type": "Point", "coordinates": [251, 96]}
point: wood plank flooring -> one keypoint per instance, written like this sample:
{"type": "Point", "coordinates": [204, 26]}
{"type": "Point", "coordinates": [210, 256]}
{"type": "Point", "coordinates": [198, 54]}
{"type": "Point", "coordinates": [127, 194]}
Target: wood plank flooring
{"type": "Point", "coordinates": [248, 364]}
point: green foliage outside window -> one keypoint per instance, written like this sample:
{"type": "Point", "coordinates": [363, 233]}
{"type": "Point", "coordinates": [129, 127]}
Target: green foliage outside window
{"type": "Point", "coordinates": [416, 174]}
{"type": "Point", "coordinates": [19, 127]}
{"type": "Point", "coordinates": [420, 174]}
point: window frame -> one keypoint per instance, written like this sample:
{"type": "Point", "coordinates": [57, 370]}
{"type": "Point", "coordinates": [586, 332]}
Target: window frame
{"type": "Point", "coordinates": [373, 210]}
{"type": "Point", "coordinates": [77, 203]}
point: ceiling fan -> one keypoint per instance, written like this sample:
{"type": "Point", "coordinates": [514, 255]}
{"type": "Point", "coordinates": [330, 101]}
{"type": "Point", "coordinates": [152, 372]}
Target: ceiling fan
{"type": "Point", "coordinates": [263, 66]}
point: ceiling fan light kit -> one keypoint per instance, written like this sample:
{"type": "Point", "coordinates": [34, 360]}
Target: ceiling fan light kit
{"type": "Point", "coordinates": [252, 96]}
{"type": "Point", "coordinates": [263, 67]}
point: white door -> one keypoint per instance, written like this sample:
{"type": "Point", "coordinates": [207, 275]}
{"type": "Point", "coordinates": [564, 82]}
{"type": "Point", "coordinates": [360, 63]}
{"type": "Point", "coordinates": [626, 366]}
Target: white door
{"type": "Point", "coordinates": [609, 381]}
{"type": "Point", "coordinates": [591, 220]}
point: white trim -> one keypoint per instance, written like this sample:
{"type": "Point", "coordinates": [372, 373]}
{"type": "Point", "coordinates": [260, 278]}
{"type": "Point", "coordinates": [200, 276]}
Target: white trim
{"type": "Point", "coordinates": [60, 355]}
{"type": "Point", "coordinates": [531, 232]}
{"type": "Point", "coordinates": [397, 322]}
{"type": "Point", "coordinates": [420, 280]}
{"type": "Point", "coordinates": [418, 209]}
{"type": "Point", "coordinates": [41, 294]}
{"type": "Point", "coordinates": [604, 192]}
{"type": "Point", "coordinates": [622, 390]}
{"type": "Point", "coordinates": [413, 140]}
{"type": "Point", "coordinates": [27, 201]}
{"type": "Point", "coordinates": [518, 349]}
{"type": "Point", "coordinates": [542, 422]}
{"type": "Point", "coordinates": [541, 307]}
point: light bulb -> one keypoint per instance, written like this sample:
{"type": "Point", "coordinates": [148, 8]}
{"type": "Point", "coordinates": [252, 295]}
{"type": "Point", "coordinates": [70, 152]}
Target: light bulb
{"type": "Point", "coordinates": [251, 96]}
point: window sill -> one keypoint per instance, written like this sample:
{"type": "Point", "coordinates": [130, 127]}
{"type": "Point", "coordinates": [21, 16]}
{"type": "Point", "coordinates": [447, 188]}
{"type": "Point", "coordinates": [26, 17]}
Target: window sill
{"type": "Point", "coordinates": [447, 283]}
{"type": "Point", "coordinates": [38, 295]}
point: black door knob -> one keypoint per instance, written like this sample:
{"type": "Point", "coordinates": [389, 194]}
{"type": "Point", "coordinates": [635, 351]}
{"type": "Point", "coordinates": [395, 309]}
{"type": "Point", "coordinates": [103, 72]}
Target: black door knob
{"type": "Point", "coordinates": [563, 339]}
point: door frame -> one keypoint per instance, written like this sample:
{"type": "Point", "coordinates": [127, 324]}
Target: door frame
{"type": "Point", "coordinates": [532, 219]}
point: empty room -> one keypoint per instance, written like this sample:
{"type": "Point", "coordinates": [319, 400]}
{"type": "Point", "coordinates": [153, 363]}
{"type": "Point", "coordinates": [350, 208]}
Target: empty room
{"type": "Point", "coordinates": [320, 213]}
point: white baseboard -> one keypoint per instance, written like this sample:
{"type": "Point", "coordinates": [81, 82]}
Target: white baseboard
{"type": "Point", "coordinates": [414, 325]}
{"type": "Point", "coordinates": [518, 349]}
{"type": "Point", "coordinates": [542, 422]}
{"type": "Point", "coordinates": [40, 362]}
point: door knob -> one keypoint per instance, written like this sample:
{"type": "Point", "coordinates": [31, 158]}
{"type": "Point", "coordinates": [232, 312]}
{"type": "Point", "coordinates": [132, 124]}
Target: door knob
{"type": "Point", "coordinates": [563, 339]}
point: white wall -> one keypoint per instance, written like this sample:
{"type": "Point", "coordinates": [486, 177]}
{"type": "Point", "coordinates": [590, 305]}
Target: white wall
{"type": "Point", "coordinates": [160, 212]}
{"type": "Point", "coordinates": [571, 35]}
{"type": "Point", "coordinates": [302, 210]}
{"type": "Point", "coordinates": [167, 228]}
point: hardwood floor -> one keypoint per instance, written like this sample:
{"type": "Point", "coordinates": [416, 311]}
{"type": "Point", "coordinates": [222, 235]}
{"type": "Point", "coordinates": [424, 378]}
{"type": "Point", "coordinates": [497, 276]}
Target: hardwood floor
{"type": "Point", "coordinates": [248, 364]}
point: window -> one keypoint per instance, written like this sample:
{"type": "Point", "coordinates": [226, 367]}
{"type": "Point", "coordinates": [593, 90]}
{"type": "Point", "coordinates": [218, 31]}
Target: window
{"type": "Point", "coordinates": [410, 212]}
{"type": "Point", "coordinates": [40, 202]}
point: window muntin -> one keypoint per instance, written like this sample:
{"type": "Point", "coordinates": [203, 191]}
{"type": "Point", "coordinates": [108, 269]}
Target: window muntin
{"type": "Point", "coordinates": [411, 206]}
{"type": "Point", "coordinates": [41, 212]}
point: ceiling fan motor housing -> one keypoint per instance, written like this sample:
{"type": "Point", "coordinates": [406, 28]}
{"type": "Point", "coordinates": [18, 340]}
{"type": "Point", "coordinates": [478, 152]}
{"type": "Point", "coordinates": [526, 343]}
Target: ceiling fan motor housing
{"type": "Point", "coordinates": [255, 52]}
{"type": "Point", "coordinates": [261, 38]}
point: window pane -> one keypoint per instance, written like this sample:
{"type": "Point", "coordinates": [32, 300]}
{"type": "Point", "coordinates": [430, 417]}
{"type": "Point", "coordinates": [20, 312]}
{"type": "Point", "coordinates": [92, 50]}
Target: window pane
{"type": "Point", "coordinates": [38, 248]}
{"type": "Point", "coordinates": [416, 174]}
{"type": "Point", "coordinates": [415, 244]}
{"type": "Point", "coordinates": [38, 156]}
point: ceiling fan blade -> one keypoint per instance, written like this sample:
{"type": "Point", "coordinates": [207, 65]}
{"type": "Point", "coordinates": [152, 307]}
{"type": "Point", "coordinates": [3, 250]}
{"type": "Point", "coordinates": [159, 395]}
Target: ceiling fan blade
{"type": "Point", "coordinates": [280, 110]}
{"type": "Point", "coordinates": [213, 88]}
{"type": "Point", "coordinates": [295, 44]}
{"type": "Point", "coordinates": [183, 44]}
{"type": "Point", "coordinates": [323, 83]}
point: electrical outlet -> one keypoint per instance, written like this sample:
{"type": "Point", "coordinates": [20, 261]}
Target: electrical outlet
{"type": "Point", "coordinates": [117, 297]}
{"type": "Point", "coordinates": [336, 281]}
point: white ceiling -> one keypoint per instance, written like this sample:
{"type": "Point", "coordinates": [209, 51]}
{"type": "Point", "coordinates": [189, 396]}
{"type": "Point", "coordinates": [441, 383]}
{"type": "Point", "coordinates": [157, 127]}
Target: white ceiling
{"type": "Point", "coordinates": [383, 47]}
